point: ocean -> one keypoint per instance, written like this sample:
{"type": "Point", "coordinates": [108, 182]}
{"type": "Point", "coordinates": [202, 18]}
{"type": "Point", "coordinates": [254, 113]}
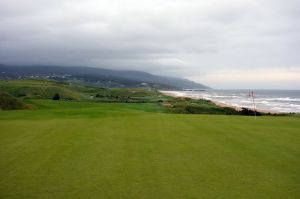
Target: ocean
{"type": "Point", "coordinates": [284, 101]}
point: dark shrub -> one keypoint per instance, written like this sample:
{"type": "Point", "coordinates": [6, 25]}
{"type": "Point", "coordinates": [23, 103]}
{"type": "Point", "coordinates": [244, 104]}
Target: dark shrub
{"type": "Point", "coordinates": [56, 96]}
{"type": "Point", "coordinates": [99, 95]}
{"type": "Point", "coordinates": [246, 111]}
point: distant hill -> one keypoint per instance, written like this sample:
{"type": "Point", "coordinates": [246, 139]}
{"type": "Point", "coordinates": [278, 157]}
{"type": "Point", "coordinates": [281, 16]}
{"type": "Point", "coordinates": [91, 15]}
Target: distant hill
{"type": "Point", "coordinates": [98, 77]}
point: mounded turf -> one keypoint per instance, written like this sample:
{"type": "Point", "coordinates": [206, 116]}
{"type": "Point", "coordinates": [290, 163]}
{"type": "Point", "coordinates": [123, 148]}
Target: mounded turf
{"type": "Point", "coordinates": [87, 150]}
{"type": "Point", "coordinates": [8, 102]}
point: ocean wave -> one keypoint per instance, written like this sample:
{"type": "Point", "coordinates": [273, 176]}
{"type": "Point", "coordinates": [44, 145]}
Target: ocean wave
{"type": "Point", "coordinates": [264, 101]}
{"type": "Point", "coordinates": [287, 99]}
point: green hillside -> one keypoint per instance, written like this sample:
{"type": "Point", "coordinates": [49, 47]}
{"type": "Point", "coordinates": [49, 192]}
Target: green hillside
{"type": "Point", "coordinates": [44, 89]}
{"type": "Point", "coordinates": [40, 89]}
{"type": "Point", "coordinates": [27, 90]}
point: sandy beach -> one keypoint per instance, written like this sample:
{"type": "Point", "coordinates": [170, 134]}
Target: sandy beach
{"type": "Point", "coordinates": [221, 104]}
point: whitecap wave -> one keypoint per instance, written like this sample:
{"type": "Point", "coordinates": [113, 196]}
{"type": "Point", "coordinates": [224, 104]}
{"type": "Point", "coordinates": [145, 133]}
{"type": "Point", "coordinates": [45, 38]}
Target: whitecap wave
{"type": "Point", "coordinates": [281, 101]}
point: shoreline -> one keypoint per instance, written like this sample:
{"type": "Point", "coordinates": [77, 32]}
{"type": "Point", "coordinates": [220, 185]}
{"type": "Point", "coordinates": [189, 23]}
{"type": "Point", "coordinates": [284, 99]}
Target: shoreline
{"type": "Point", "coordinates": [221, 104]}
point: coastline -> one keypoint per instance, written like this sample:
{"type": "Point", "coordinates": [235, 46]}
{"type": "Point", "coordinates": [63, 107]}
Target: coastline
{"type": "Point", "coordinates": [221, 104]}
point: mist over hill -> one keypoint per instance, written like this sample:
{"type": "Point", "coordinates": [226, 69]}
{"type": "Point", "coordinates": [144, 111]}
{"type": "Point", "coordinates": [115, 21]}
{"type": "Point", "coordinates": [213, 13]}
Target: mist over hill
{"type": "Point", "coordinates": [98, 77]}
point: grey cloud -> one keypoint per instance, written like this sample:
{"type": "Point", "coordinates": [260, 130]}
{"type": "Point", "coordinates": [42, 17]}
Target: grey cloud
{"type": "Point", "coordinates": [180, 38]}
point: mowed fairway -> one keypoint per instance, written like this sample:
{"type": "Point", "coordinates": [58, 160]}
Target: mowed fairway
{"type": "Point", "coordinates": [87, 150]}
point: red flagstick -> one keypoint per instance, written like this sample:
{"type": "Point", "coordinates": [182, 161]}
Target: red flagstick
{"type": "Point", "coordinates": [254, 106]}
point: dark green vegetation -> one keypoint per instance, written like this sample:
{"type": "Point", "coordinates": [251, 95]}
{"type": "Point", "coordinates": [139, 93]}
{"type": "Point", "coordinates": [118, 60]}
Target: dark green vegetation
{"type": "Point", "coordinates": [192, 106]}
{"type": "Point", "coordinates": [43, 89]}
{"type": "Point", "coordinates": [8, 102]}
{"type": "Point", "coordinates": [27, 90]}
{"type": "Point", "coordinates": [71, 149]}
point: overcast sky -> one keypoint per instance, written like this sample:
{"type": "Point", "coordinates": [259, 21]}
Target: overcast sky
{"type": "Point", "coordinates": [224, 44]}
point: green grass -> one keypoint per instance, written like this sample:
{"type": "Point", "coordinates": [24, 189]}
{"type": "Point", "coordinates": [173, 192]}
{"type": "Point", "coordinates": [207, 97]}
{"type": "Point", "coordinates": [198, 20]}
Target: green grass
{"type": "Point", "coordinates": [94, 150]}
{"type": "Point", "coordinates": [44, 89]}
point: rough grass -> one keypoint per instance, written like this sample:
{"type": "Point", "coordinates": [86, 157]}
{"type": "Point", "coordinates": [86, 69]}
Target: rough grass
{"type": "Point", "coordinates": [40, 89]}
{"type": "Point", "coordinates": [28, 89]}
{"type": "Point", "coordinates": [8, 102]}
{"type": "Point", "coordinates": [44, 89]}
{"type": "Point", "coordinates": [88, 150]}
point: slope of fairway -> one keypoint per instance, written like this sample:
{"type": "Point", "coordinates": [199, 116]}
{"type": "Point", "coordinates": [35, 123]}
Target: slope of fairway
{"type": "Point", "coordinates": [88, 150]}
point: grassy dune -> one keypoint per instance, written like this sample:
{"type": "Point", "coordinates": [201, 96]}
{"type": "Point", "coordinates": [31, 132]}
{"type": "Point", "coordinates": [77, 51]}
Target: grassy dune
{"type": "Point", "coordinates": [44, 89]}
{"type": "Point", "coordinates": [28, 89]}
{"type": "Point", "coordinates": [98, 150]}
{"type": "Point", "coordinates": [8, 102]}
